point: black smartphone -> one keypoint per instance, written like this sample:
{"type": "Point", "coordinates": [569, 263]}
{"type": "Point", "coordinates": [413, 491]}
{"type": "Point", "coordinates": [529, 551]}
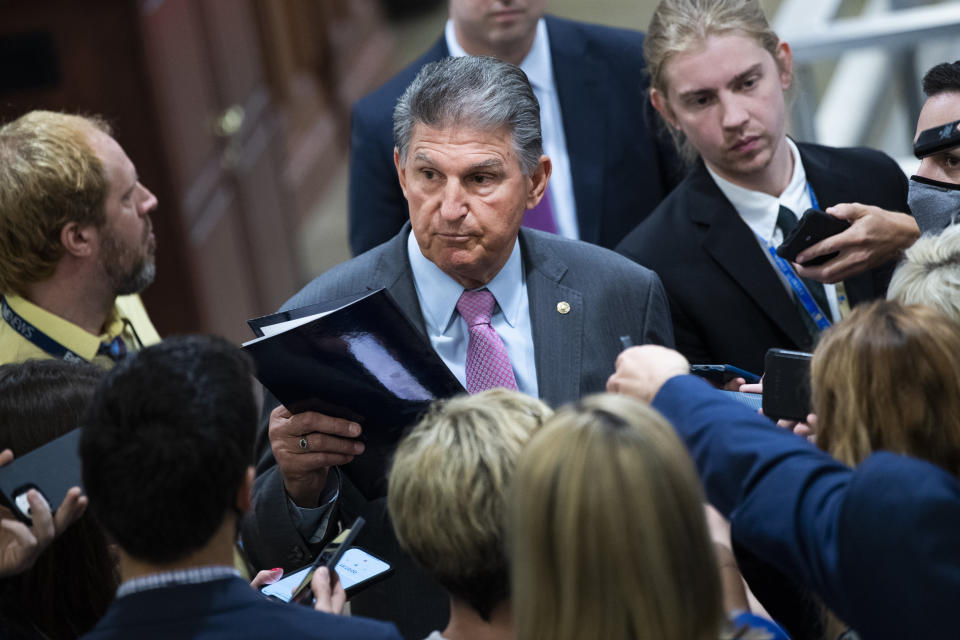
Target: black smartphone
{"type": "Point", "coordinates": [937, 139]}
{"type": "Point", "coordinates": [51, 469]}
{"type": "Point", "coordinates": [357, 570]}
{"type": "Point", "coordinates": [721, 374]}
{"type": "Point", "coordinates": [786, 384]}
{"type": "Point", "coordinates": [813, 227]}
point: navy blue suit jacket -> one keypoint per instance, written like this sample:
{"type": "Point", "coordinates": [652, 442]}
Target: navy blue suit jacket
{"type": "Point", "coordinates": [225, 609]}
{"type": "Point", "coordinates": [878, 543]}
{"type": "Point", "coordinates": [620, 168]}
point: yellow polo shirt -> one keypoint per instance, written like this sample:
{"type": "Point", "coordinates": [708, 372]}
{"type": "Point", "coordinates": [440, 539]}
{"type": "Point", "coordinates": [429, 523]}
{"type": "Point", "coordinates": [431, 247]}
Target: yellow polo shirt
{"type": "Point", "coordinates": [137, 332]}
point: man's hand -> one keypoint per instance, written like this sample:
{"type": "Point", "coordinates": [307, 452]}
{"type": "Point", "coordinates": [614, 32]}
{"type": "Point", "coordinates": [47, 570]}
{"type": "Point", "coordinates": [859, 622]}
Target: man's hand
{"type": "Point", "coordinates": [20, 545]}
{"type": "Point", "coordinates": [329, 598]}
{"type": "Point", "coordinates": [641, 371]}
{"type": "Point", "coordinates": [329, 441]}
{"type": "Point", "coordinates": [875, 236]}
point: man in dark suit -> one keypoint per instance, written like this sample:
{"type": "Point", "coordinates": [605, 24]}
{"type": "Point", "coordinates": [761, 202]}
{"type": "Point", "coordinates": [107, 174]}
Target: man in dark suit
{"type": "Point", "coordinates": [877, 543]}
{"type": "Point", "coordinates": [166, 450]}
{"type": "Point", "coordinates": [610, 168]}
{"type": "Point", "coordinates": [933, 195]}
{"type": "Point", "coordinates": [470, 162]}
{"type": "Point", "coordinates": [711, 240]}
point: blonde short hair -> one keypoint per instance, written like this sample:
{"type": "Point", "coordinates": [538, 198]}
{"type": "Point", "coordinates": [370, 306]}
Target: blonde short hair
{"type": "Point", "coordinates": [49, 175]}
{"type": "Point", "coordinates": [448, 486]}
{"type": "Point", "coordinates": [888, 378]}
{"type": "Point", "coordinates": [607, 533]}
{"type": "Point", "coordinates": [930, 273]}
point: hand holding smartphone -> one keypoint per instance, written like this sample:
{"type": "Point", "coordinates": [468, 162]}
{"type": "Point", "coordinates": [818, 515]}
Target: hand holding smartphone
{"type": "Point", "coordinates": [52, 470]}
{"type": "Point", "coordinates": [328, 558]}
{"type": "Point", "coordinates": [355, 568]}
{"type": "Point", "coordinates": [813, 227]}
{"type": "Point", "coordinates": [786, 384]}
{"type": "Point", "coordinates": [721, 374]}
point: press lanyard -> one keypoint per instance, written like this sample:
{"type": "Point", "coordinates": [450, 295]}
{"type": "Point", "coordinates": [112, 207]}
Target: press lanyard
{"type": "Point", "coordinates": [38, 337]}
{"type": "Point", "coordinates": [799, 288]}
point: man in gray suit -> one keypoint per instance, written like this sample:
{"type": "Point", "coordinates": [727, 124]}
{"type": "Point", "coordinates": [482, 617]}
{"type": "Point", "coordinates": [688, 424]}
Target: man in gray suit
{"type": "Point", "coordinates": [470, 163]}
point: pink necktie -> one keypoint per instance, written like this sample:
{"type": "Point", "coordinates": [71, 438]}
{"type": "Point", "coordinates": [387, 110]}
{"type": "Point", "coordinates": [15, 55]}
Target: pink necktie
{"type": "Point", "coordinates": [488, 365]}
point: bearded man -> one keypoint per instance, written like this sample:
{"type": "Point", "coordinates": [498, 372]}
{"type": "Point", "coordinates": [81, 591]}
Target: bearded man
{"type": "Point", "coordinates": [76, 242]}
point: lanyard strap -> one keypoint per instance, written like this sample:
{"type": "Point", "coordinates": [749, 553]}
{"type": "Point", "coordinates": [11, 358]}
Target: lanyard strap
{"type": "Point", "coordinates": [843, 302]}
{"type": "Point", "coordinates": [799, 288]}
{"type": "Point", "coordinates": [813, 197]}
{"type": "Point", "coordinates": [35, 335]}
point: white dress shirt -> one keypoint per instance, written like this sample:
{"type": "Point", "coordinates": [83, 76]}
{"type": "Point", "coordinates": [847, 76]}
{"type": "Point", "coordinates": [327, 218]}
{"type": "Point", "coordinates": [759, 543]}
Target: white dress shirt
{"type": "Point", "coordinates": [760, 210]}
{"type": "Point", "coordinates": [539, 70]}
{"type": "Point", "coordinates": [438, 294]}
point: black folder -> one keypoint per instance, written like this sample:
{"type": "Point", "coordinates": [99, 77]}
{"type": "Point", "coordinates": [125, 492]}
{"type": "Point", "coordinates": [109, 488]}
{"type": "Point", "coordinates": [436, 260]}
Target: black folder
{"type": "Point", "coordinates": [364, 361]}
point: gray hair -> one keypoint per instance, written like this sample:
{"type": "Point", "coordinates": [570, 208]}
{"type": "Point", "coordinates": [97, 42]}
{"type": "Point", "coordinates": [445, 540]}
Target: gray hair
{"type": "Point", "coordinates": [480, 92]}
{"type": "Point", "coordinates": [930, 273]}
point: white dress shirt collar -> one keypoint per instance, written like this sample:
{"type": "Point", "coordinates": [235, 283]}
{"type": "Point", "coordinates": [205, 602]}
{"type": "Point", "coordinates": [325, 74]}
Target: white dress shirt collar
{"type": "Point", "coordinates": [444, 291]}
{"type": "Point", "coordinates": [760, 210]}
{"type": "Point", "coordinates": [536, 64]}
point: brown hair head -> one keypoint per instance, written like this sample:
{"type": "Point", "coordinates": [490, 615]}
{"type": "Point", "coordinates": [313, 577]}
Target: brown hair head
{"type": "Point", "coordinates": [888, 378]}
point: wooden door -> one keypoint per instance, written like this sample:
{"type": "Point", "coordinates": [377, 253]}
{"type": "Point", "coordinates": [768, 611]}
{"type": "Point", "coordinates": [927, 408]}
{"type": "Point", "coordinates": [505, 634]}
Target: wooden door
{"type": "Point", "coordinates": [221, 138]}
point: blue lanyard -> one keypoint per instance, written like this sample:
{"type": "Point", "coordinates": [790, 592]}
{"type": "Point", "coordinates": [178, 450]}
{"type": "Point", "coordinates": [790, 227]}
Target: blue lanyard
{"type": "Point", "coordinates": [116, 349]}
{"type": "Point", "coordinates": [813, 197]}
{"type": "Point", "coordinates": [36, 336]}
{"type": "Point", "coordinates": [799, 288]}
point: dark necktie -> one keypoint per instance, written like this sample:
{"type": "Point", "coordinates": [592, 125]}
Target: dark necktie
{"type": "Point", "coordinates": [787, 222]}
{"type": "Point", "coordinates": [116, 349]}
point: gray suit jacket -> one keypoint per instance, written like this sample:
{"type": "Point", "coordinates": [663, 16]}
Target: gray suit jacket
{"type": "Point", "coordinates": [608, 295]}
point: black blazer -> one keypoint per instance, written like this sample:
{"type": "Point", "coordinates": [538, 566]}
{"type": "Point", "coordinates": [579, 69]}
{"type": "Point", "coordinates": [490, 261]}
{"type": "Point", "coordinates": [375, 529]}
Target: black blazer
{"type": "Point", "coordinates": [620, 168]}
{"type": "Point", "coordinates": [727, 302]}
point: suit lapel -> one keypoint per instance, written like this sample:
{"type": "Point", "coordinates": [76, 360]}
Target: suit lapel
{"type": "Point", "coordinates": [730, 242]}
{"type": "Point", "coordinates": [557, 337]}
{"type": "Point", "coordinates": [394, 273]}
{"type": "Point", "coordinates": [579, 80]}
{"type": "Point", "coordinates": [437, 52]}
{"type": "Point", "coordinates": [831, 187]}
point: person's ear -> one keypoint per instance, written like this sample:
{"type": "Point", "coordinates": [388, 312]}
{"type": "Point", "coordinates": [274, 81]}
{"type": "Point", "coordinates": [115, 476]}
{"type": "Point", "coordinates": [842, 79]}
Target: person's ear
{"type": "Point", "coordinates": [79, 240]}
{"type": "Point", "coordinates": [660, 103]}
{"type": "Point", "coordinates": [538, 181]}
{"type": "Point", "coordinates": [245, 491]}
{"type": "Point", "coordinates": [784, 59]}
{"type": "Point", "coordinates": [400, 173]}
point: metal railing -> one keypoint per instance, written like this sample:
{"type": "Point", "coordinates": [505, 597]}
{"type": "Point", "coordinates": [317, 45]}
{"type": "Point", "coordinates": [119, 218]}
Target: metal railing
{"type": "Point", "coordinates": [872, 96]}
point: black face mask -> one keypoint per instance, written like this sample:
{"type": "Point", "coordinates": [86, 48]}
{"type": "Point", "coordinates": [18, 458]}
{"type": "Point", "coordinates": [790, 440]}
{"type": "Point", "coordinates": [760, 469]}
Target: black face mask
{"type": "Point", "coordinates": [934, 204]}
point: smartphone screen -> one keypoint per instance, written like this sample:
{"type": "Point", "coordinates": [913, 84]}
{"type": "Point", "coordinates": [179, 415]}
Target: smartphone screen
{"type": "Point", "coordinates": [355, 567]}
